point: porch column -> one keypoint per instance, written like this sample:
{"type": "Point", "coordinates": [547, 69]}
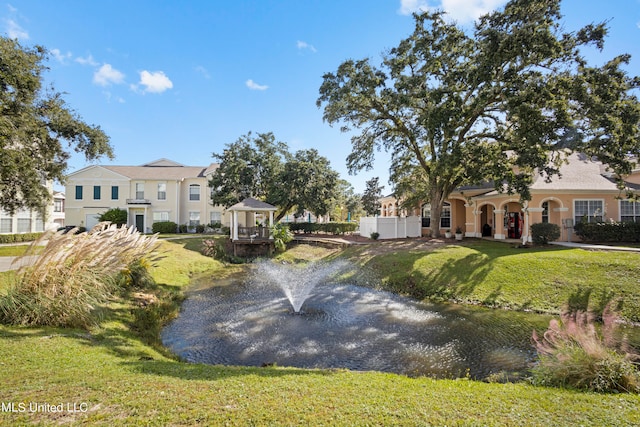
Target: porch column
{"type": "Point", "coordinates": [525, 232]}
{"type": "Point", "coordinates": [271, 224]}
{"type": "Point", "coordinates": [234, 229]}
{"type": "Point", "coordinates": [498, 227]}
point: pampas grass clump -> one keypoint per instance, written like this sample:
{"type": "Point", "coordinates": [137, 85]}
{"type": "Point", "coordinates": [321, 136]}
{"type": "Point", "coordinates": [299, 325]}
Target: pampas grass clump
{"type": "Point", "coordinates": [74, 276]}
{"type": "Point", "coordinates": [573, 353]}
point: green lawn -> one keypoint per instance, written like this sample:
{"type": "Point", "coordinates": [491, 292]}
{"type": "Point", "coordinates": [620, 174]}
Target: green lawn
{"type": "Point", "coordinates": [497, 274]}
{"type": "Point", "coordinates": [111, 377]}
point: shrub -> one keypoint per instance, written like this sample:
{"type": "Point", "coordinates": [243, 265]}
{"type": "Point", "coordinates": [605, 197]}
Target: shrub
{"type": "Point", "coordinates": [200, 228]}
{"type": "Point", "coordinates": [375, 235]}
{"type": "Point", "coordinates": [183, 228]}
{"type": "Point", "coordinates": [544, 232]}
{"type": "Point", "coordinates": [73, 276]}
{"type": "Point", "coordinates": [164, 227]}
{"type": "Point", "coordinates": [571, 353]}
{"type": "Point", "coordinates": [608, 231]}
{"type": "Point", "coordinates": [214, 249]}
{"type": "Point", "coordinates": [17, 238]}
{"type": "Point", "coordinates": [281, 236]}
{"type": "Point", "coordinates": [116, 216]}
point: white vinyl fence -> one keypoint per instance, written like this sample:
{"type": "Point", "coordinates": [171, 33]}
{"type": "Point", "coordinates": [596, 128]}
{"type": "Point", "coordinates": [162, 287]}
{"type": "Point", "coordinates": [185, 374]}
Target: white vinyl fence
{"type": "Point", "coordinates": [391, 227]}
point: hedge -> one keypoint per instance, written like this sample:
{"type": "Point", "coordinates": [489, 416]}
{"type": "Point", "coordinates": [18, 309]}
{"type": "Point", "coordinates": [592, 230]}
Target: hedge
{"type": "Point", "coordinates": [164, 227]}
{"type": "Point", "coordinates": [18, 238]}
{"type": "Point", "coordinates": [608, 231]}
{"type": "Point", "coordinates": [323, 227]}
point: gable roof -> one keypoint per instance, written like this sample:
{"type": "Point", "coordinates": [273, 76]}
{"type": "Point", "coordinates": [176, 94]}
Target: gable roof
{"type": "Point", "coordinates": [251, 204]}
{"type": "Point", "coordinates": [581, 173]}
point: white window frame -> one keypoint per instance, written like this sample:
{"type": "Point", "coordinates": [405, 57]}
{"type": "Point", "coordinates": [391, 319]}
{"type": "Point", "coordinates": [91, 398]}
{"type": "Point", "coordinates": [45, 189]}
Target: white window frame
{"type": "Point", "coordinates": [139, 190]}
{"type": "Point", "coordinates": [194, 196]}
{"type": "Point", "coordinates": [635, 211]}
{"type": "Point", "coordinates": [194, 218]}
{"type": "Point", "coordinates": [162, 191]}
{"type": "Point", "coordinates": [592, 214]}
{"type": "Point", "coordinates": [160, 216]}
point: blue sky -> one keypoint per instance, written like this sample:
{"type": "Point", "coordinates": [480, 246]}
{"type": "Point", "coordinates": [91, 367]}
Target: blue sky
{"type": "Point", "coordinates": [180, 79]}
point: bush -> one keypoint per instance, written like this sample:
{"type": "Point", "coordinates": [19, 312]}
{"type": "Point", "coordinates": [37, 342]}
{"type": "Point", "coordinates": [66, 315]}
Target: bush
{"type": "Point", "coordinates": [18, 238]}
{"type": "Point", "coordinates": [183, 228]}
{"type": "Point", "coordinates": [375, 235]}
{"type": "Point", "coordinates": [116, 216]}
{"type": "Point", "coordinates": [544, 232]}
{"type": "Point", "coordinates": [73, 276]}
{"type": "Point", "coordinates": [608, 231]}
{"type": "Point", "coordinates": [281, 236]}
{"type": "Point", "coordinates": [324, 227]}
{"type": "Point", "coordinates": [164, 227]}
{"type": "Point", "coordinates": [571, 353]}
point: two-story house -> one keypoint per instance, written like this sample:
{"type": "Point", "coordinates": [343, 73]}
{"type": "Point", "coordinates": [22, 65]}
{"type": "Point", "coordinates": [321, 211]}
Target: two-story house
{"type": "Point", "coordinates": [30, 221]}
{"type": "Point", "coordinates": [162, 190]}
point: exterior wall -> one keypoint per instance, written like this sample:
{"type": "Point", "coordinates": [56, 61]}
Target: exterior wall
{"type": "Point", "coordinates": [176, 205]}
{"type": "Point", "coordinates": [27, 221]}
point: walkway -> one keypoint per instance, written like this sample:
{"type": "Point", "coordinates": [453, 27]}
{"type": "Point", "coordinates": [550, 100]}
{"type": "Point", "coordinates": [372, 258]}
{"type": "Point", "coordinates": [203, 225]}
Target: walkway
{"type": "Point", "coordinates": [596, 247]}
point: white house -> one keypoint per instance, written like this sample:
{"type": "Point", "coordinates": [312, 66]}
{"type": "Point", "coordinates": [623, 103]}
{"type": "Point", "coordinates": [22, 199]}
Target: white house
{"type": "Point", "coordinates": [162, 190]}
{"type": "Point", "coordinates": [28, 221]}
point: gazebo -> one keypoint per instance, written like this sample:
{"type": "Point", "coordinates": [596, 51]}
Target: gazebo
{"type": "Point", "coordinates": [248, 237]}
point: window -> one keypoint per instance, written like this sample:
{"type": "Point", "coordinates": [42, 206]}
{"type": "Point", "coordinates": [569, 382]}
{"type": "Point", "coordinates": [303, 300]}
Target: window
{"type": "Point", "coordinates": [24, 225]}
{"type": "Point", "coordinates": [58, 205]}
{"type": "Point", "coordinates": [114, 192]}
{"type": "Point", "coordinates": [162, 191]}
{"type": "Point", "coordinates": [39, 224]}
{"type": "Point", "coordinates": [194, 219]}
{"type": "Point", "coordinates": [139, 190]}
{"type": "Point", "coordinates": [194, 192]}
{"type": "Point", "coordinates": [629, 211]}
{"type": "Point", "coordinates": [96, 192]}
{"type": "Point", "coordinates": [545, 212]}
{"type": "Point", "coordinates": [78, 192]}
{"type": "Point", "coordinates": [160, 216]}
{"type": "Point", "coordinates": [588, 210]}
{"type": "Point", "coordinates": [215, 217]}
{"type": "Point", "coordinates": [445, 216]}
{"type": "Point", "coordinates": [6, 225]}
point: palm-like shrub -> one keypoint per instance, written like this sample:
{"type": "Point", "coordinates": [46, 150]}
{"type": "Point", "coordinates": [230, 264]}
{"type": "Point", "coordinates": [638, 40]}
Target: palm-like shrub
{"type": "Point", "coordinates": [73, 276]}
{"type": "Point", "coordinates": [572, 353]}
{"type": "Point", "coordinates": [281, 236]}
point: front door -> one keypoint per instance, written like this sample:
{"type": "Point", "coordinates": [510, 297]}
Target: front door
{"type": "Point", "coordinates": [140, 222]}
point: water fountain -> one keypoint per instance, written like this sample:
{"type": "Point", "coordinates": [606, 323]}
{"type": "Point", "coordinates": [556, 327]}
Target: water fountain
{"type": "Point", "coordinates": [297, 282]}
{"type": "Point", "coordinates": [249, 322]}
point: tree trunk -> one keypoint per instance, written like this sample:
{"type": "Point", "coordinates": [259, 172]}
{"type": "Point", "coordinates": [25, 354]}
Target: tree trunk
{"type": "Point", "coordinates": [436, 201]}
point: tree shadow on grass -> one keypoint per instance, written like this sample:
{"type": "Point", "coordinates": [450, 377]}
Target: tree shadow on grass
{"type": "Point", "coordinates": [204, 372]}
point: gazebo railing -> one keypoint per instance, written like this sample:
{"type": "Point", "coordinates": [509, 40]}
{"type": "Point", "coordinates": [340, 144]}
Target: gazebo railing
{"type": "Point", "coordinates": [253, 233]}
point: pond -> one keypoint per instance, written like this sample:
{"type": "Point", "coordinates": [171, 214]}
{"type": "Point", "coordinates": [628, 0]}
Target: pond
{"type": "Point", "coordinates": [251, 323]}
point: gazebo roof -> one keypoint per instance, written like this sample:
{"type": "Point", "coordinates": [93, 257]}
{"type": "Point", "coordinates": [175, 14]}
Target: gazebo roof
{"type": "Point", "coordinates": [251, 204]}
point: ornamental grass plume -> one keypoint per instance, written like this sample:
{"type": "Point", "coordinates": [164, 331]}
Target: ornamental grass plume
{"type": "Point", "coordinates": [575, 353]}
{"type": "Point", "coordinates": [73, 276]}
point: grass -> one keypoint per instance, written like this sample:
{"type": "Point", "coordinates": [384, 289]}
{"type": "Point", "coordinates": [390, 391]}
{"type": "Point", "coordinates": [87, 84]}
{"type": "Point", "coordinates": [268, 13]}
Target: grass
{"type": "Point", "coordinates": [499, 275]}
{"type": "Point", "coordinates": [17, 250]}
{"type": "Point", "coordinates": [114, 378]}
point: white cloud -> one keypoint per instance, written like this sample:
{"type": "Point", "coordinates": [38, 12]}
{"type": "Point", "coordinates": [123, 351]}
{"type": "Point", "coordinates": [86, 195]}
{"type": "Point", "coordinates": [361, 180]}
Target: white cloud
{"type": "Point", "coordinates": [87, 61]}
{"type": "Point", "coordinates": [304, 45]}
{"type": "Point", "coordinates": [200, 69]}
{"type": "Point", "coordinates": [255, 86]}
{"type": "Point", "coordinates": [107, 75]}
{"type": "Point", "coordinates": [461, 11]}
{"type": "Point", "coordinates": [15, 31]}
{"type": "Point", "coordinates": [155, 82]}
{"type": "Point", "coordinates": [59, 56]}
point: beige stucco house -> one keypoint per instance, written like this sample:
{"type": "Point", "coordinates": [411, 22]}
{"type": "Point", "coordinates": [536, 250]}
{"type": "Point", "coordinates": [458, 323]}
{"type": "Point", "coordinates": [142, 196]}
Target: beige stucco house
{"type": "Point", "coordinates": [162, 190]}
{"type": "Point", "coordinates": [584, 190]}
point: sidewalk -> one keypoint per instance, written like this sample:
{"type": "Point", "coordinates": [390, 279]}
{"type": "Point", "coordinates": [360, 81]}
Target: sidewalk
{"type": "Point", "coordinates": [589, 247]}
{"type": "Point", "coordinates": [7, 262]}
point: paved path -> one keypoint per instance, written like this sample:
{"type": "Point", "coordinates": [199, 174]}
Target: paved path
{"type": "Point", "coordinates": [596, 247]}
{"type": "Point", "coordinates": [7, 262]}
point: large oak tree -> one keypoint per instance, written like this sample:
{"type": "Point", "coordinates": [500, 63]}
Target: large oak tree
{"type": "Point", "coordinates": [493, 104]}
{"type": "Point", "coordinates": [263, 168]}
{"type": "Point", "coordinates": [37, 131]}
